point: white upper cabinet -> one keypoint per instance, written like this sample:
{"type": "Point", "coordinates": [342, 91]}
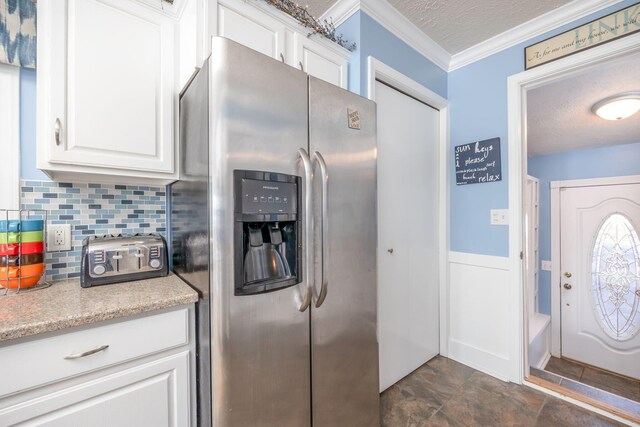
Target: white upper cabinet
{"type": "Point", "coordinates": [319, 61]}
{"type": "Point", "coordinates": [275, 34]}
{"type": "Point", "coordinates": [243, 25]}
{"type": "Point", "coordinates": [106, 89]}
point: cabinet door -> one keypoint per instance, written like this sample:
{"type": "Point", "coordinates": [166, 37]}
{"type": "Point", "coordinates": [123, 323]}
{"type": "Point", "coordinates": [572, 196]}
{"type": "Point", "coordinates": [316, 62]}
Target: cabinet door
{"type": "Point", "coordinates": [151, 394]}
{"type": "Point", "coordinates": [112, 84]}
{"type": "Point", "coordinates": [248, 26]}
{"type": "Point", "coordinates": [320, 61]}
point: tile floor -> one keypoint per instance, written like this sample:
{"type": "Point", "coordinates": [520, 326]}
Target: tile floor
{"type": "Point", "coordinates": [624, 387]}
{"type": "Point", "coordinates": [446, 393]}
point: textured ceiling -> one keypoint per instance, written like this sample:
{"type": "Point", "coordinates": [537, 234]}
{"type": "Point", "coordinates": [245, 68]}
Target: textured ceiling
{"type": "Point", "coordinates": [318, 7]}
{"type": "Point", "coordinates": [459, 24]}
{"type": "Point", "coordinates": [559, 116]}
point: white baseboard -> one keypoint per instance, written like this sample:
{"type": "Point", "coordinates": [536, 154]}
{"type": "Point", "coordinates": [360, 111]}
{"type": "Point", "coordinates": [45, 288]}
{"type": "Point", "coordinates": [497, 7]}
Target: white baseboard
{"type": "Point", "coordinates": [544, 361]}
{"type": "Point", "coordinates": [479, 359]}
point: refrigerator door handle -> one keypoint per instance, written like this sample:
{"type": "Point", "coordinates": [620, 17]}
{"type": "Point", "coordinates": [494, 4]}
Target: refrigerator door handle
{"type": "Point", "coordinates": [325, 228]}
{"type": "Point", "coordinates": [308, 228]}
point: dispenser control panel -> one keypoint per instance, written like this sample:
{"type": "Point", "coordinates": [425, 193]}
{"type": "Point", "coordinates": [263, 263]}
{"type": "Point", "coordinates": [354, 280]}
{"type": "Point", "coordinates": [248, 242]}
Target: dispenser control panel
{"type": "Point", "coordinates": [269, 197]}
{"type": "Point", "coordinates": [266, 231]}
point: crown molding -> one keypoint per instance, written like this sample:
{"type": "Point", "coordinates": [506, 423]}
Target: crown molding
{"type": "Point", "coordinates": [389, 17]}
{"type": "Point", "coordinates": [551, 20]}
{"type": "Point", "coordinates": [340, 11]}
{"type": "Point", "coordinates": [396, 23]}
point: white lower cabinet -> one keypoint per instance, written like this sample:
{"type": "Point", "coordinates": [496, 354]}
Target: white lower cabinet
{"type": "Point", "coordinates": [153, 394]}
{"type": "Point", "coordinates": [143, 377]}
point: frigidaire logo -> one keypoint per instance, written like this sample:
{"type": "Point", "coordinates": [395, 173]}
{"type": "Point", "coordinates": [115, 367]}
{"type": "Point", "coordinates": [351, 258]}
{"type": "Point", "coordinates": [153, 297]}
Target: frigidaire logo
{"type": "Point", "coordinates": [265, 187]}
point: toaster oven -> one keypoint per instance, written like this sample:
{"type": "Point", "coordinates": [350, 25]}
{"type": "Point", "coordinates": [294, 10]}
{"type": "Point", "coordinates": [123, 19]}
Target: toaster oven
{"type": "Point", "coordinates": [111, 259]}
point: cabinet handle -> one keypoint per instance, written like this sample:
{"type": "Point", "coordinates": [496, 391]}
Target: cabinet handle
{"type": "Point", "coordinates": [282, 57]}
{"type": "Point", "coordinates": [87, 353]}
{"type": "Point", "coordinates": [301, 66]}
{"type": "Point", "coordinates": [58, 131]}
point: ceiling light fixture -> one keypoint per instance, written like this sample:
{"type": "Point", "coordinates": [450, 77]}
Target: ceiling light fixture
{"type": "Point", "coordinates": [618, 107]}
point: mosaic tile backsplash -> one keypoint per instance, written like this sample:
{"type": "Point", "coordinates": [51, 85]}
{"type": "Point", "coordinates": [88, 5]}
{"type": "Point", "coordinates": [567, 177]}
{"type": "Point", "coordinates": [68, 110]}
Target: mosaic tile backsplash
{"type": "Point", "coordinates": [93, 209]}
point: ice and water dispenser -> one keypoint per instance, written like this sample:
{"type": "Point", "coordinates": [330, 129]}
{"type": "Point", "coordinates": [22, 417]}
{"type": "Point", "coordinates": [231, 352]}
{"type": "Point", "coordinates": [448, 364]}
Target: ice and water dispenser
{"type": "Point", "coordinates": [266, 231]}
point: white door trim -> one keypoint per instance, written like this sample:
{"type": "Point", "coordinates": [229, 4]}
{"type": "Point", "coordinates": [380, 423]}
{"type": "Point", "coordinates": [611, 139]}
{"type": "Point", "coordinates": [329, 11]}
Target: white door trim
{"type": "Point", "coordinates": [378, 70]}
{"type": "Point", "coordinates": [517, 87]}
{"type": "Point", "coordinates": [556, 186]}
{"type": "Point", "coordinates": [10, 136]}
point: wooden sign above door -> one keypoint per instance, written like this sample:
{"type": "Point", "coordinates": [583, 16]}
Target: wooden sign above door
{"type": "Point", "coordinates": [478, 162]}
{"type": "Point", "coordinates": [608, 28]}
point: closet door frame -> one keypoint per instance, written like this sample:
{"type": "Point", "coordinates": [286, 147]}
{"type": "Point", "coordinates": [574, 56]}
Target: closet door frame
{"type": "Point", "coordinates": [377, 70]}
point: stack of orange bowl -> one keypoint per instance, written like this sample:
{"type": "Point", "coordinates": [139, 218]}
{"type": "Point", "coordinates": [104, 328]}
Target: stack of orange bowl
{"type": "Point", "coordinates": [21, 253]}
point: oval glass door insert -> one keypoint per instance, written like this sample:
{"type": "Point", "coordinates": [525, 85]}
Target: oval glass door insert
{"type": "Point", "coordinates": [615, 273]}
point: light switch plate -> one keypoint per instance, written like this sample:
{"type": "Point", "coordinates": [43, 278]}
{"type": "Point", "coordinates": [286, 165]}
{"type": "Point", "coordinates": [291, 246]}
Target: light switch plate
{"type": "Point", "coordinates": [499, 216]}
{"type": "Point", "coordinates": [59, 237]}
{"type": "Point", "coordinates": [546, 265]}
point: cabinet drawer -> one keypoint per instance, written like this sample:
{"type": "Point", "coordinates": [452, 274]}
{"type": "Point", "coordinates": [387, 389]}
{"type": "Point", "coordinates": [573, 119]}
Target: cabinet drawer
{"type": "Point", "coordinates": [47, 360]}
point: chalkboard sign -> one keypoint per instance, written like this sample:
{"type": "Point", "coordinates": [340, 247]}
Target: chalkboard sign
{"type": "Point", "coordinates": [478, 162]}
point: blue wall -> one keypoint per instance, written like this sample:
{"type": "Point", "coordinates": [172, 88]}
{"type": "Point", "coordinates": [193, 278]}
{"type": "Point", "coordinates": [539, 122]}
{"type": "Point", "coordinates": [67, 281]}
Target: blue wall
{"type": "Point", "coordinates": [478, 101]}
{"type": "Point", "coordinates": [28, 126]}
{"type": "Point", "coordinates": [618, 160]}
{"type": "Point", "coordinates": [350, 29]}
{"type": "Point", "coordinates": [373, 39]}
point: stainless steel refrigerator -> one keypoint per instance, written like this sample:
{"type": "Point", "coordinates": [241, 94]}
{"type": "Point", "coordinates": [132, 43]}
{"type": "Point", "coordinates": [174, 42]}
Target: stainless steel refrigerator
{"type": "Point", "coordinates": [274, 222]}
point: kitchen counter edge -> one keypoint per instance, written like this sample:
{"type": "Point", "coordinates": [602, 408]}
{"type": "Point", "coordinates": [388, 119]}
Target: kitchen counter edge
{"type": "Point", "coordinates": [65, 304]}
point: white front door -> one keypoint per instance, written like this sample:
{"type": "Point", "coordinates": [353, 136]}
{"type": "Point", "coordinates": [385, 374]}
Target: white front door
{"type": "Point", "coordinates": [408, 308]}
{"type": "Point", "coordinates": [600, 276]}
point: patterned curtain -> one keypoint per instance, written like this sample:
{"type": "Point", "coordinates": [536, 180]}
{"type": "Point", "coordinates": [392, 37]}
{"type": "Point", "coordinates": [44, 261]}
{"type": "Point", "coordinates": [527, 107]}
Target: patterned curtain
{"type": "Point", "coordinates": [18, 32]}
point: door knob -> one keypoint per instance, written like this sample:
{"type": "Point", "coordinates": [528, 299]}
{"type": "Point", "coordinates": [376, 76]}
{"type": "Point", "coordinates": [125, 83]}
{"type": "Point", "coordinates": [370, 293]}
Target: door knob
{"type": "Point", "coordinates": [390, 250]}
{"type": "Point", "coordinates": [567, 286]}
{"type": "Point", "coordinates": [638, 292]}
{"type": "Point", "coordinates": [567, 274]}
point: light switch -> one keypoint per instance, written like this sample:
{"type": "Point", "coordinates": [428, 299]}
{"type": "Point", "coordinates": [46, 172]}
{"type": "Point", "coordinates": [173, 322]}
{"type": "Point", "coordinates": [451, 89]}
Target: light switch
{"type": "Point", "coordinates": [546, 265]}
{"type": "Point", "coordinates": [499, 216]}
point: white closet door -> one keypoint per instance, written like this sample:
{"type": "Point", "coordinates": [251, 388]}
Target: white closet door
{"type": "Point", "coordinates": [408, 309]}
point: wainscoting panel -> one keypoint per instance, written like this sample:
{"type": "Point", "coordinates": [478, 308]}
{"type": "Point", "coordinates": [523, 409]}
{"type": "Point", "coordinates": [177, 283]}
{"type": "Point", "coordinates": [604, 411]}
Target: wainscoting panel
{"type": "Point", "coordinates": [479, 312]}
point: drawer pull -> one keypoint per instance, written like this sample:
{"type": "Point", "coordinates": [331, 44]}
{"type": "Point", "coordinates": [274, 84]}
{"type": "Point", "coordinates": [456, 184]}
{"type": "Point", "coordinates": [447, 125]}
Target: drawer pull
{"type": "Point", "coordinates": [87, 353]}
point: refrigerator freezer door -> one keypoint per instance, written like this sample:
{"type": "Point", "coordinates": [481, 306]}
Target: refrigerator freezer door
{"type": "Point", "coordinates": [189, 223]}
{"type": "Point", "coordinates": [260, 343]}
{"type": "Point", "coordinates": [342, 128]}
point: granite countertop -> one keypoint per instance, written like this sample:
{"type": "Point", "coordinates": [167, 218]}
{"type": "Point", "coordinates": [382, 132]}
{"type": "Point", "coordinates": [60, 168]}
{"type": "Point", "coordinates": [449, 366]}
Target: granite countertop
{"type": "Point", "coordinates": [65, 304]}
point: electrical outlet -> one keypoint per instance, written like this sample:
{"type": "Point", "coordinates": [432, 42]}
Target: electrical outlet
{"type": "Point", "coordinates": [59, 237]}
{"type": "Point", "coordinates": [546, 265]}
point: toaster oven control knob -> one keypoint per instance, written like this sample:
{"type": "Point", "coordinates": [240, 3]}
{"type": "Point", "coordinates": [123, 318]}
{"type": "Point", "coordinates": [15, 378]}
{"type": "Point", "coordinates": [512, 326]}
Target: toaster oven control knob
{"type": "Point", "coordinates": [99, 269]}
{"type": "Point", "coordinates": [154, 263]}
